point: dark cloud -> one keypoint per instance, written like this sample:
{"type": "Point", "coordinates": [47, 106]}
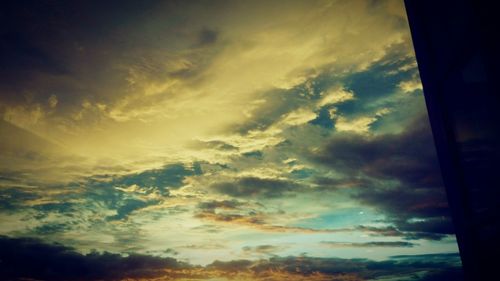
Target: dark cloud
{"type": "Point", "coordinates": [25, 258]}
{"type": "Point", "coordinates": [452, 274]}
{"type": "Point", "coordinates": [254, 154]}
{"type": "Point", "coordinates": [431, 225]}
{"type": "Point", "coordinates": [231, 266]}
{"type": "Point", "coordinates": [408, 157]}
{"type": "Point", "coordinates": [253, 187]}
{"type": "Point", "coordinates": [358, 269]}
{"type": "Point", "coordinates": [38, 41]}
{"type": "Point", "coordinates": [384, 231]}
{"type": "Point", "coordinates": [421, 211]}
{"type": "Point", "coordinates": [24, 35]}
{"type": "Point", "coordinates": [416, 201]}
{"type": "Point", "coordinates": [328, 184]}
{"type": "Point", "coordinates": [374, 244]}
{"type": "Point", "coordinates": [438, 258]}
{"type": "Point", "coordinates": [408, 234]}
{"type": "Point", "coordinates": [52, 48]}
{"type": "Point", "coordinates": [19, 53]}
{"type": "Point", "coordinates": [406, 202]}
{"type": "Point", "coordinates": [224, 204]}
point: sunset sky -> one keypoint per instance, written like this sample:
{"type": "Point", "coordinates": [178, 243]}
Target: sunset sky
{"type": "Point", "coordinates": [228, 137]}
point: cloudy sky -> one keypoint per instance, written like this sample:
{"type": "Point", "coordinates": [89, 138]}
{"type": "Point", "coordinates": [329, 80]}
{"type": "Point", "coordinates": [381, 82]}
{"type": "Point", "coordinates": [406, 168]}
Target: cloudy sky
{"type": "Point", "coordinates": [219, 139]}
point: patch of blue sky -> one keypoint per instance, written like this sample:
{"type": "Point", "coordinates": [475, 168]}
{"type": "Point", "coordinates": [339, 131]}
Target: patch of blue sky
{"type": "Point", "coordinates": [373, 88]}
{"type": "Point", "coordinates": [323, 119]}
{"type": "Point", "coordinates": [169, 176]}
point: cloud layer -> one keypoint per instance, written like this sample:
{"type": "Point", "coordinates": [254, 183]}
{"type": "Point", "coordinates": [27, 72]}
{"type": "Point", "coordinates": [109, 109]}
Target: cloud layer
{"type": "Point", "coordinates": [30, 259]}
{"type": "Point", "coordinates": [262, 140]}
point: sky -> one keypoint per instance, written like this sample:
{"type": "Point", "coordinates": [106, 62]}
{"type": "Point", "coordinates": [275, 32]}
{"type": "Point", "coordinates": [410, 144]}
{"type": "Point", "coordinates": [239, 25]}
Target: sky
{"type": "Point", "coordinates": [217, 140]}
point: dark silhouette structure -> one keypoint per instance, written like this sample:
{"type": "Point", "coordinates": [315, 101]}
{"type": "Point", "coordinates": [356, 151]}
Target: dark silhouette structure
{"type": "Point", "coordinates": [457, 50]}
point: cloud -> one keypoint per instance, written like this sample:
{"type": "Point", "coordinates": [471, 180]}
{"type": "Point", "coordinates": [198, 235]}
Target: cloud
{"type": "Point", "coordinates": [210, 206]}
{"type": "Point", "coordinates": [407, 158]}
{"type": "Point", "coordinates": [262, 249]}
{"type": "Point", "coordinates": [107, 205]}
{"type": "Point", "coordinates": [358, 125]}
{"type": "Point", "coordinates": [213, 144]}
{"type": "Point", "coordinates": [254, 187]}
{"type": "Point", "coordinates": [253, 154]}
{"type": "Point", "coordinates": [299, 117]}
{"type": "Point", "coordinates": [410, 85]}
{"type": "Point", "coordinates": [326, 184]}
{"type": "Point", "coordinates": [278, 104]}
{"type": "Point", "coordinates": [335, 95]}
{"type": "Point", "coordinates": [184, 65]}
{"type": "Point", "coordinates": [245, 214]}
{"type": "Point", "coordinates": [414, 233]}
{"type": "Point", "coordinates": [419, 211]}
{"type": "Point", "coordinates": [345, 269]}
{"type": "Point", "coordinates": [229, 211]}
{"type": "Point", "coordinates": [26, 258]}
{"type": "Point", "coordinates": [376, 244]}
{"type": "Point", "coordinates": [204, 246]}
{"type": "Point", "coordinates": [229, 266]}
